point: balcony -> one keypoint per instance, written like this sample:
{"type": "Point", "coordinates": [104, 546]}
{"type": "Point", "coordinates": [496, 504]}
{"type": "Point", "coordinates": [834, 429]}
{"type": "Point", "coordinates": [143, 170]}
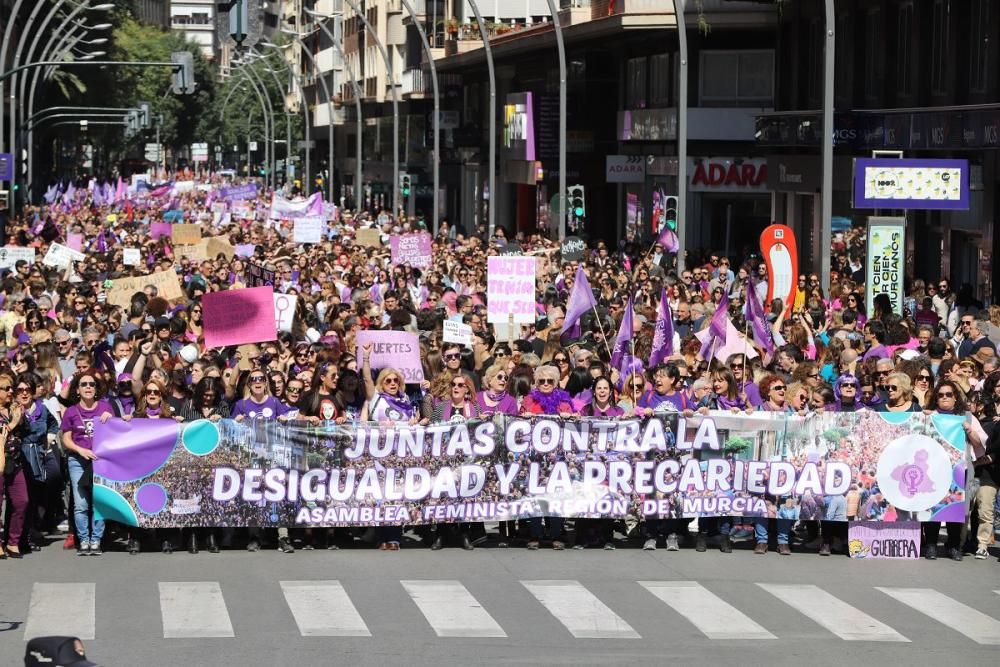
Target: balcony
{"type": "Point", "coordinates": [414, 83]}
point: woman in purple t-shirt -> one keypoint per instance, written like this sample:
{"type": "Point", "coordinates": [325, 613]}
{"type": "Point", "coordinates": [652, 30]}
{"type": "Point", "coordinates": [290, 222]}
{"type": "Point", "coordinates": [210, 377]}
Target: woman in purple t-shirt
{"type": "Point", "coordinates": [257, 401]}
{"type": "Point", "coordinates": [87, 390]}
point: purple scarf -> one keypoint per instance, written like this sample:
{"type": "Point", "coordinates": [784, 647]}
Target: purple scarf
{"type": "Point", "coordinates": [550, 402]}
{"type": "Point", "coordinates": [400, 403]}
{"type": "Point", "coordinates": [35, 412]}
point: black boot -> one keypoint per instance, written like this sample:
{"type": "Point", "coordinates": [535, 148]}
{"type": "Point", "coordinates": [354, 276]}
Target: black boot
{"type": "Point", "coordinates": [466, 544]}
{"type": "Point", "coordinates": [725, 544]}
{"type": "Point", "coordinates": [437, 543]}
{"type": "Point", "coordinates": [133, 546]}
{"type": "Point", "coordinates": [700, 543]}
{"type": "Point", "coordinates": [167, 547]}
{"type": "Point", "coordinates": [192, 543]}
{"type": "Point", "coordinates": [213, 548]}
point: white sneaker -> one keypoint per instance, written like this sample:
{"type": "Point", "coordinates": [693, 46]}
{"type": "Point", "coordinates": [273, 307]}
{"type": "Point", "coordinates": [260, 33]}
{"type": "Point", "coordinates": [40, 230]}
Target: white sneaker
{"type": "Point", "coordinates": [649, 545]}
{"type": "Point", "coordinates": [982, 553]}
{"type": "Point", "coordinates": [63, 527]}
{"type": "Point", "coordinates": [672, 543]}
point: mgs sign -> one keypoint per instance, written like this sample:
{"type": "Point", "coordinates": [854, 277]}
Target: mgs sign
{"type": "Point", "coordinates": [728, 174]}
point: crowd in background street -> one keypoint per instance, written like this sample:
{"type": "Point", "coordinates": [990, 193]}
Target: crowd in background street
{"type": "Point", "coordinates": [72, 357]}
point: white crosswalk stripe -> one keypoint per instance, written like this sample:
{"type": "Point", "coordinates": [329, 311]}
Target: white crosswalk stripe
{"type": "Point", "coordinates": [583, 614]}
{"type": "Point", "coordinates": [972, 623]}
{"type": "Point", "coordinates": [451, 609]}
{"type": "Point", "coordinates": [834, 614]}
{"type": "Point", "coordinates": [61, 609]}
{"type": "Point", "coordinates": [323, 609]}
{"type": "Point", "coordinates": [716, 618]}
{"type": "Point", "coordinates": [194, 609]}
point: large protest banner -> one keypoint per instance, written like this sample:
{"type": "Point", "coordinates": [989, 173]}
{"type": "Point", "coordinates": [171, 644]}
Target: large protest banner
{"type": "Point", "coordinates": [238, 192]}
{"type": "Point", "coordinates": [166, 283]}
{"type": "Point", "coordinates": [412, 249]}
{"type": "Point", "coordinates": [900, 467]}
{"type": "Point", "coordinates": [10, 255]}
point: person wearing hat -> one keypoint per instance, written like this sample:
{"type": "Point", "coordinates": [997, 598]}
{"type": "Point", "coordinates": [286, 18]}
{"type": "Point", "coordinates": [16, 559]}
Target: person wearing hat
{"type": "Point", "coordinates": [56, 652]}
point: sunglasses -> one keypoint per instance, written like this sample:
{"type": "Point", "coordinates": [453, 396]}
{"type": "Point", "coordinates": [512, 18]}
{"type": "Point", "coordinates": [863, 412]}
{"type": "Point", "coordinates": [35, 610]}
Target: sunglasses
{"type": "Point", "coordinates": [293, 390]}
{"type": "Point", "coordinates": [946, 394]}
{"type": "Point", "coordinates": [456, 385]}
{"type": "Point", "coordinates": [881, 373]}
{"type": "Point", "coordinates": [62, 343]}
{"type": "Point", "coordinates": [892, 387]}
{"type": "Point", "coordinates": [452, 355]}
{"type": "Point", "coordinates": [499, 353]}
{"type": "Point", "coordinates": [561, 360]}
{"type": "Point", "coordinates": [779, 387]}
{"type": "Point", "coordinates": [257, 378]}
{"type": "Point", "coordinates": [848, 386]}
{"type": "Point", "coordinates": [391, 381]}
{"type": "Point", "coordinates": [86, 383]}
{"type": "Point", "coordinates": [152, 392]}
{"type": "Point", "coordinates": [924, 378]}
{"type": "Point", "coordinates": [545, 381]}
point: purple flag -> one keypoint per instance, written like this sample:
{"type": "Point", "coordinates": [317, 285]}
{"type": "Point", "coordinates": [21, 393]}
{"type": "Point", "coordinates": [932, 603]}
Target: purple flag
{"type": "Point", "coordinates": [581, 299]}
{"type": "Point", "coordinates": [120, 191]}
{"type": "Point", "coordinates": [624, 336]}
{"type": "Point", "coordinates": [716, 329]}
{"type": "Point", "coordinates": [668, 239]}
{"type": "Point", "coordinates": [102, 243]}
{"type": "Point", "coordinates": [663, 337]}
{"type": "Point", "coordinates": [758, 321]}
{"type": "Point", "coordinates": [97, 196]}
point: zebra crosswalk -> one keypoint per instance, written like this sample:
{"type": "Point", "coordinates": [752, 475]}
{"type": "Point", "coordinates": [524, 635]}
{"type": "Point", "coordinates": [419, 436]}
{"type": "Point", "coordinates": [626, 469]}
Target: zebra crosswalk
{"type": "Point", "coordinates": [328, 608]}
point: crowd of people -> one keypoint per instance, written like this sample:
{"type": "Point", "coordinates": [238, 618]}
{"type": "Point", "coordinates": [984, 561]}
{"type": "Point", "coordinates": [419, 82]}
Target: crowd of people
{"type": "Point", "coordinates": [74, 357]}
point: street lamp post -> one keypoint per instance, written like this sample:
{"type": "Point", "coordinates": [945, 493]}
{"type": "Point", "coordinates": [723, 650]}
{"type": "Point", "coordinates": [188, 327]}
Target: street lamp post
{"type": "Point", "coordinates": [682, 121]}
{"type": "Point", "coordinates": [493, 117]}
{"type": "Point", "coordinates": [564, 215]}
{"type": "Point", "coordinates": [258, 84]}
{"type": "Point", "coordinates": [268, 112]}
{"type": "Point", "coordinates": [826, 224]}
{"type": "Point", "coordinates": [284, 107]}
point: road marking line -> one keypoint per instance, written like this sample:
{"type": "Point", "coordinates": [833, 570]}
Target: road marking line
{"type": "Point", "coordinates": [451, 609]}
{"type": "Point", "coordinates": [972, 623]}
{"type": "Point", "coordinates": [194, 609]}
{"type": "Point", "coordinates": [834, 614]}
{"type": "Point", "coordinates": [579, 610]}
{"type": "Point", "coordinates": [61, 609]}
{"type": "Point", "coordinates": [713, 616]}
{"type": "Point", "coordinates": [323, 609]}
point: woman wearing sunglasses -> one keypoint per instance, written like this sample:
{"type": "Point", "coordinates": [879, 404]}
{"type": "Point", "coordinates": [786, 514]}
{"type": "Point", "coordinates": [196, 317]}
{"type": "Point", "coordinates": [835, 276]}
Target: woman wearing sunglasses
{"type": "Point", "coordinates": [495, 398]}
{"type": "Point", "coordinates": [900, 395]}
{"type": "Point", "coordinates": [257, 401]}
{"type": "Point", "coordinates": [208, 402]}
{"type": "Point", "coordinates": [86, 392]}
{"type": "Point", "coordinates": [37, 431]}
{"type": "Point", "coordinates": [847, 394]}
{"type": "Point", "coordinates": [773, 389]}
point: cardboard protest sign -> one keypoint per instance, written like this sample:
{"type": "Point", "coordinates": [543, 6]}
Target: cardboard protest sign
{"type": "Point", "coordinates": [61, 256]}
{"type": "Point", "coordinates": [284, 310]}
{"type": "Point", "coordinates": [185, 234]}
{"type": "Point", "coordinates": [371, 238]}
{"type": "Point", "coordinates": [158, 230]}
{"type": "Point", "coordinates": [899, 540]}
{"type": "Point", "coordinates": [241, 212]}
{"type": "Point", "coordinates": [166, 283]}
{"type": "Point", "coordinates": [510, 289]}
{"type": "Point", "coordinates": [196, 253]}
{"type": "Point", "coordinates": [10, 255]}
{"type": "Point", "coordinates": [234, 317]}
{"type": "Point", "coordinates": [215, 246]}
{"type": "Point", "coordinates": [393, 349]}
{"type": "Point", "coordinates": [456, 332]}
{"type": "Point", "coordinates": [308, 229]}
{"type": "Point", "coordinates": [131, 256]}
{"type": "Point", "coordinates": [412, 249]}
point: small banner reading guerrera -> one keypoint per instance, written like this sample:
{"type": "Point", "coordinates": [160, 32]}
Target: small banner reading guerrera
{"type": "Point", "coordinates": [156, 473]}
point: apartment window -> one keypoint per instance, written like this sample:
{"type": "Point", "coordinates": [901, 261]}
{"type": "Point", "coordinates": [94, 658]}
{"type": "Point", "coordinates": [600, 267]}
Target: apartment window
{"type": "Point", "coordinates": [635, 83]}
{"type": "Point", "coordinates": [660, 80]}
{"type": "Point", "coordinates": [874, 54]}
{"type": "Point", "coordinates": [844, 54]}
{"type": "Point", "coordinates": [979, 45]}
{"type": "Point", "coordinates": [737, 78]}
{"type": "Point", "coordinates": [904, 50]}
{"type": "Point", "coordinates": [940, 23]}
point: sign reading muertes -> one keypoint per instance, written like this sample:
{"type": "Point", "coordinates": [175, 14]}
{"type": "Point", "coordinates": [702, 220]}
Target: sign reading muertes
{"type": "Point", "coordinates": [393, 349]}
{"type": "Point", "coordinates": [911, 184]}
{"type": "Point", "coordinates": [269, 473]}
{"type": "Point", "coordinates": [886, 261]}
{"type": "Point", "coordinates": [727, 174]}
{"type": "Point", "coordinates": [510, 289]}
{"type": "Point", "coordinates": [625, 168]}
{"type": "Point", "coordinates": [412, 249]}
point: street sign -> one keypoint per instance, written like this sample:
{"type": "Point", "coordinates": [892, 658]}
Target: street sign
{"type": "Point", "coordinates": [199, 152]}
{"type": "Point", "coordinates": [253, 145]}
{"type": "Point", "coordinates": [153, 152]}
{"type": "Point", "coordinates": [6, 167]}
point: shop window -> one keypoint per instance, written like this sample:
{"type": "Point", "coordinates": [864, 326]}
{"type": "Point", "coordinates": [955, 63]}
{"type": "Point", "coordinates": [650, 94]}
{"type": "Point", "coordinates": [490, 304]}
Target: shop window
{"type": "Point", "coordinates": [635, 83]}
{"type": "Point", "coordinates": [979, 45]}
{"type": "Point", "coordinates": [904, 50]}
{"type": "Point", "coordinates": [660, 80]}
{"type": "Point", "coordinates": [940, 47]}
{"type": "Point", "coordinates": [874, 54]}
{"type": "Point", "coordinates": [736, 78]}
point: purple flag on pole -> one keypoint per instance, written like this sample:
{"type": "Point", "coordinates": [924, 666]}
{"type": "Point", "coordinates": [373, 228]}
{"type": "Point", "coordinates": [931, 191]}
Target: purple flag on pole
{"type": "Point", "coordinates": [581, 299]}
{"type": "Point", "coordinates": [624, 336]}
{"type": "Point", "coordinates": [663, 336]}
{"type": "Point", "coordinates": [758, 321]}
{"type": "Point", "coordinates": [668, 239]}
{"type": "Point", "coordinates": [716, 329]}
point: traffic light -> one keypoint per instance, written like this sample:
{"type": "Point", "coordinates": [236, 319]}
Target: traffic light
{"type": "Point", "coordinates": [405, 184]}
{"type": "Point", "coordinates": [670, 206]}
{"type": "Point", "coordinates": [577, 201]}
{"type": "Point", "coordinates": [182, 80]}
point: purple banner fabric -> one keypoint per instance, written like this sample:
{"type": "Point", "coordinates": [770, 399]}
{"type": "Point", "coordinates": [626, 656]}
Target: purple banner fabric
{"type": "Point", "coordinates": [131, 450]}
{"type": "Point", "coordinates": [758, 321]}
{"type": "Point", "coordinates": [581, 299]}
{"type": "Point", "coordinates": [158, 230]}
{"type": "Point", "coordinates": [717, 329]}
{"type": "Point", "coordinates": [625, 332]}
{"type": "Point", "coordinates": [668, 239]}
{"type": "Point", "coordinates": [238, 192]}
{"type": "Point", "coordinates": [663, 338]}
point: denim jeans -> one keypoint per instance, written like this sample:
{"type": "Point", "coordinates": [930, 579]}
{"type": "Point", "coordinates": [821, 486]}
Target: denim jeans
{"type": "Point", "coordinates": [784, 530]}
{"type": "Point", "coordinates": [553, 523]}
{"type": "Point", "coordinates": [709, 525]}
{"type": "Point", "coordinates": [81, 502]}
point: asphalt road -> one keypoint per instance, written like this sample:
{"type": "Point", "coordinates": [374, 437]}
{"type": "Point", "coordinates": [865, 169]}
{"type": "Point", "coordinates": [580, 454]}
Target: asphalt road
{"type": "Point", "coordinates": [509, 606]}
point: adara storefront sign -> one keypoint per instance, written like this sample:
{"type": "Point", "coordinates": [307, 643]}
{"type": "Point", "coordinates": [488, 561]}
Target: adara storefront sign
{"type": "Point", "coordinates": [727, 174]}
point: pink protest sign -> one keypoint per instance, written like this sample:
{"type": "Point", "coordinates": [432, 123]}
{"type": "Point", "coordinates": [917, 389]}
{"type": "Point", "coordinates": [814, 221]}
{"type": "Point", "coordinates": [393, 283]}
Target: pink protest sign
{"type": "Point", "coordinates": [393, 349]}
{"type": "Point", "coordinates": [234, 317]}
{"type": "Point", "coordinates": [157, 230]}
{"type": "Point", "coordinates": [74, 241]}
{"type": "Point", "coordinates": [412, 249]}
{"type": "Point", "coordinates": [510, 289]}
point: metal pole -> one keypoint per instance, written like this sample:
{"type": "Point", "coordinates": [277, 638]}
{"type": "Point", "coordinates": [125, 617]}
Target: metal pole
{"type": "Point", "coordinates": [682, 123]}
{"type": "Point", "coordinates": [437, 109]}
{"type": "Point", "coordinates": [395, 104]}
{"type": "Point", "coordinates": [560, 45]}
{"type": "Point", "coordinates": [7, 35]}
{"type": "Point", "coordinates": [284, 106]}
{"type": "Point", "coordinates": [826, 223]}
{"type": "Point", "coordinates": [493, 117]}
{"type": "Point", "coordinates": [272, 148]}
{"type": "Point", "coordinates": [268, 112]}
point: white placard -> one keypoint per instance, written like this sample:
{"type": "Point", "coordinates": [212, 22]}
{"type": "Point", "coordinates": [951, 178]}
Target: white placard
{"type": "Point", "coordinates": [132, 257]}
{"type": "Point", "coordinates": [308, 229]}
{"type": "Point", "coordinates": [510, 289]}
{"type": "Point", "coordinates": [456, 332]}
{"type": "Point", "coordinates": [284, 310]}
{"type": "Point", "coordinates": [11, 255]}
{"type": "Point", "coordinates": [241, 211]}
{"type": "Point", "coordinates": [61, 256]}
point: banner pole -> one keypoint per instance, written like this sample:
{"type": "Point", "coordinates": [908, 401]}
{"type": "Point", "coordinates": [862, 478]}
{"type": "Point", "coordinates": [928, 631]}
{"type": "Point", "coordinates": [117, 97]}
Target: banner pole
{"type": "Point", "coordinates": [600, 325]}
